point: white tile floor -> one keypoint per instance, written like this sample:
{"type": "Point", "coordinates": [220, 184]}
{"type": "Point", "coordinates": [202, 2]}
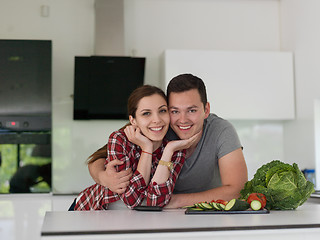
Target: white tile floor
{"type": "Point", "coordinates": [21, 215]}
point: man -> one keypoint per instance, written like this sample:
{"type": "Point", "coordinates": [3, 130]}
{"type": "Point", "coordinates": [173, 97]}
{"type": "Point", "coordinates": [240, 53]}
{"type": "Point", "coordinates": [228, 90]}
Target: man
{"type": "Point", "coordinates": [214, 168]}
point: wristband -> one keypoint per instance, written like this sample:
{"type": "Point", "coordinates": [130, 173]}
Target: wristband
{"type": "Point", "coordinates": [147, 152]}
{"type": "Point", "coordinates": [168, 164]}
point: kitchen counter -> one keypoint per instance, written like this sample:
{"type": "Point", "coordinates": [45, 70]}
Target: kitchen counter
{"type": "Point", "coordinates": [175, 224]}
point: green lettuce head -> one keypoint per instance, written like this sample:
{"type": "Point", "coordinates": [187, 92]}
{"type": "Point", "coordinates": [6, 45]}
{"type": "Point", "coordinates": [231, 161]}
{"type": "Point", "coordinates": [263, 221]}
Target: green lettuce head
{"type": "Point", "coordinates": [284, 186]}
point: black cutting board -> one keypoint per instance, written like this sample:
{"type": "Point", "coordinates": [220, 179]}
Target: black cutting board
{"type": "Point", "coordinates": [191, 211]}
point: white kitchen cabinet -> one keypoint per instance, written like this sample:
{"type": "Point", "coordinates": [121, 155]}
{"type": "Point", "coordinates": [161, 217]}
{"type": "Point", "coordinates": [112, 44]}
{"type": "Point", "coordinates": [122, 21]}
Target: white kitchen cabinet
{"type": "Point", "coordinates": [240, 85]}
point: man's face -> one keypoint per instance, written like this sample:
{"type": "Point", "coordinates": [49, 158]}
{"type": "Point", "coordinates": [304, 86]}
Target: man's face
{"type": "Point", "coordinates": [187, 113]}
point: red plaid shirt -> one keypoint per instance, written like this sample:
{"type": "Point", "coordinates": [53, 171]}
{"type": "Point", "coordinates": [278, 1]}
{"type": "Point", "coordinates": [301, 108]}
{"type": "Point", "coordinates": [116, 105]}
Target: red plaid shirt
{"type": "Point", "coordinates": [97, 197]}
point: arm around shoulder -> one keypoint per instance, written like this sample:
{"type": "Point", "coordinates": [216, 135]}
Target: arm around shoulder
{"type": "Point", "coordinates": [108, 176]}
{"type": "Point", "coordinates": [96, 168]}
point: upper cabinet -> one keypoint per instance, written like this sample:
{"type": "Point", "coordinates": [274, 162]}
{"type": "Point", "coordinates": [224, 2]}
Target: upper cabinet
{"type": "Point", "coordinates": [240, 85]}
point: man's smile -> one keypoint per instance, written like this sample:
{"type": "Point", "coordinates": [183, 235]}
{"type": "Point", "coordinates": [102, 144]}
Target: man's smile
{"type": "Point", "coordinates": [184, 127]}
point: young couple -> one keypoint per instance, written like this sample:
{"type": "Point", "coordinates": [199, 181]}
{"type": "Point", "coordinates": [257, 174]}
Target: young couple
{"type": "Point", "coordinates": [199, 159]}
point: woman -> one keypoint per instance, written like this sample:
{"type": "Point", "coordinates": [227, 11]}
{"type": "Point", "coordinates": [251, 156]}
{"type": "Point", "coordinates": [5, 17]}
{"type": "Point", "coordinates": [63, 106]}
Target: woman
{"type": "Point", "coordinates": [141, 146]}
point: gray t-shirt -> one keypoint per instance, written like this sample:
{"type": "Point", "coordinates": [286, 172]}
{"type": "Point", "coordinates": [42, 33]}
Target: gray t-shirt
{"type": "Point", "coordinates": [200, 171]}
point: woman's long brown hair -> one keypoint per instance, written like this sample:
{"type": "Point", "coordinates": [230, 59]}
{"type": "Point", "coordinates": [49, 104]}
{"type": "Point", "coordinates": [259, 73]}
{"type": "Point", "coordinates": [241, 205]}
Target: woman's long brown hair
{"type": "Point", "coordinates": [100, 153]}
{"type": "Point", "coordinates": [133, 101]}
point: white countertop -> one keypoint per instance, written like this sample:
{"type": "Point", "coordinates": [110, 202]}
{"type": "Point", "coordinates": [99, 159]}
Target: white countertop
{"type": "Point", "coordinates": [113, 222]}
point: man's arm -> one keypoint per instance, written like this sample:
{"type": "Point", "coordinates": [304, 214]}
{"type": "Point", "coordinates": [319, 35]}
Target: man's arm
{"type": "Point", "coordinates": [95, 168]}
{"type": "Point", "coordinates": [108, 177]}
{"type": "Point", "coordinates": [233, 172]}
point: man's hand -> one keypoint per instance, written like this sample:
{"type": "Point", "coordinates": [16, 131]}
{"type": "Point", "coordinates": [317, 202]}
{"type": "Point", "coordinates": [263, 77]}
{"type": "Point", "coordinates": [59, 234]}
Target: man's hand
{"type": "Point", "coordinates": [233, 172]}
{"type": "Point", "coordinates": [109, 177]}
{"type": "Point", "coordinates": [116, 181]}
{"type": "Point", "coordinates": [174, 202]}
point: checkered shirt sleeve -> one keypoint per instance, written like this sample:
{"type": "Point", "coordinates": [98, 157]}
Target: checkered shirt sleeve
{"type": "Point", "coordinates": [160, 194]}
{"type": "Point", "coordinates": [120, 148]}
{"type": "Point", "coordinates": [94, 198]}
{"type": "Point", "coordinates": [97, 197]}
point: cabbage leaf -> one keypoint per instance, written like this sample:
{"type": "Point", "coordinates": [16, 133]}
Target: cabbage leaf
{"type": "Point", "coordinates": [284, 185]}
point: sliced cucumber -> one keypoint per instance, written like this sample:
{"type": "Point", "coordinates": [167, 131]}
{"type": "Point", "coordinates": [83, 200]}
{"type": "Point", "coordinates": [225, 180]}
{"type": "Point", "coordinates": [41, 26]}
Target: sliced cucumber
{"type": "Point", "coordinates": [236, 205]}
{"type": "Point", "coordinates": [197, 209]}
{"type": "Point", "coordinates": [222, 206]}
{"type": "Point", "coordinates": [216, 206]}
{"type": "Point", "coordinates": [206, 205]}
{"type": "Point", "coordinates": [198, 205]}
{"type": "Point", "coordinates": [191, 206]}
{"type": "Point", "coordinates": [255, 205]}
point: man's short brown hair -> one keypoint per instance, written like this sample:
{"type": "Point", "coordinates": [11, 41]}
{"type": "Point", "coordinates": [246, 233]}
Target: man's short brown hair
{"type": "Point", "coordinates": [186, 82]}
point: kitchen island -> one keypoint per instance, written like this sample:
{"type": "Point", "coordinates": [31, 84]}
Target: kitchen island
{"type": "Point", "coordinates": [304, 222]}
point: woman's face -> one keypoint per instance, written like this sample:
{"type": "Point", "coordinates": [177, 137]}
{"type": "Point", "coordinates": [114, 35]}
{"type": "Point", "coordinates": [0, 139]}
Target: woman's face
{"type": "Point", "coordinates": [152, 117]}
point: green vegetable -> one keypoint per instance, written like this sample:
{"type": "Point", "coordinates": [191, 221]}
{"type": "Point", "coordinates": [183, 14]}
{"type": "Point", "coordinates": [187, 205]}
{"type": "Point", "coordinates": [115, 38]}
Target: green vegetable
{"type": "Point", "coordinates": [236, 205]}
{"type": "Point", "coordinates": [216, 206]}
{"type": "Point", "coordinates": [255, 205]}
{"type": "Point", "coordinates": [191, 206]}
{"type": "Point", "coordinates": [205, 205]}
{"type": "Point", "coordinates": [221, 206]}
{"type": "Point", "coordinates": [284, 185]}
{"type": "Point", "coordinates": [197, 209]}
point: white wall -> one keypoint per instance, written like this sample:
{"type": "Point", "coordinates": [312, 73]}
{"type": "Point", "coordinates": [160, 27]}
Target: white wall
{"type": "Point", "coordinates": [109, 27]}
{"type": "Point", "coordinates": [300, 34]}
{"type": "Point", "coordinates": [150, 27]}
{"type": "Point", "coordinates": [70, 26]}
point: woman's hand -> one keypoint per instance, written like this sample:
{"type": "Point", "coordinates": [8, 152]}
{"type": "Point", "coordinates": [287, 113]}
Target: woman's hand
{"type": "Point", "coordinates": [135, 136]}
{"type": "Point", "coordinates": [185, 143]}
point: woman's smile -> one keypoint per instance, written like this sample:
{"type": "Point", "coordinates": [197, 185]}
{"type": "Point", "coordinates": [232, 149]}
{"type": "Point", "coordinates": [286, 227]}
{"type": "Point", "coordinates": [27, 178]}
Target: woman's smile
{"type": "Point", "coordinates": [156, 129]}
